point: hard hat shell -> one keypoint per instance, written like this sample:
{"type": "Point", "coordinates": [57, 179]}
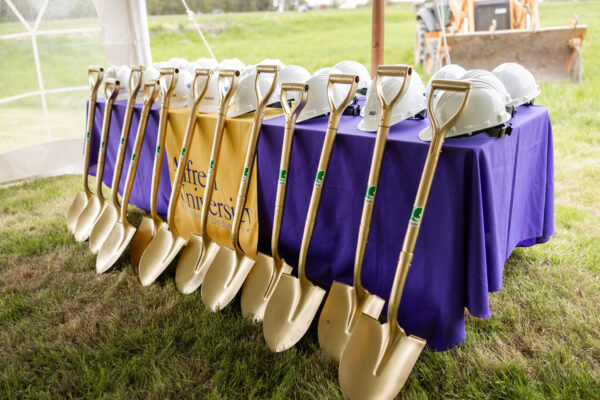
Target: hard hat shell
{"type": "Point", "coordinates": [181, 93]}
{"type": "Point", "coordinates": [232, 63]}
{"type": "Point", "coordinates": [212, 98]}
{"type": "Point", "coordinates": [123, 74]}
{"type": "Point", "coordinates": [272, 61]}
{"type": "Point", "coordinates": [111, 73]}
{"type": "Point", "coordinates": [317, 102]}
{"type": "Point", "coordinates": [485, 78]}
{"type": "Point", "coordinates": [244, 98]}
{"type": "Point", "coordinates": [327, 71]}
{"type": "Point", "coordinates": [150, 73]}
{"type": "Point", "coordinates": [411, 103]}
{"type": "Point", "coordinates": [485, 109]}
{"type": "Point", "coordinates": [207, 63]}
{"type": "Point", "coordinates": [292, 74]}
{"type": "Point", "coordinates": [178, 62]}
{"type": "Point", "coordinates": [449, 71]}
{"type": "Point", "coordinates": [518, 81]}
{"type": "Point", "coordinates": [355, 68]}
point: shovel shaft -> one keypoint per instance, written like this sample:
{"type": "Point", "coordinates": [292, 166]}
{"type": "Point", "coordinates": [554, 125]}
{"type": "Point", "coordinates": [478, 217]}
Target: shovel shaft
{"type": "Point", "coordinates": [139, 139]}
{"type": "Point", "coordinates": [134, 87]}
{"type": "Point", "coordinates": [95, 75]}
{"type": "Point", "coordinates": [111, 92]}
{"type": "Point", "coordinates": [187, 140]}
{"type": "Point", "coordinates": [166, 89]}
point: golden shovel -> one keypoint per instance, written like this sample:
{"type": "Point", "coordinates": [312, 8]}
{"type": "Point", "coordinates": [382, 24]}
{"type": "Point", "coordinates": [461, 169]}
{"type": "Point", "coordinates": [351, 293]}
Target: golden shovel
{"type": "Point", "coordinates": [167, 242]}
{"type": "Point", "coordinates": [110, 211]}
{"type": "Point", "coordinates": [149, 226]}
{"type": "Point", "coordinates": [95, 75]}
{"type": "Point", "coordinates": [229, 268]}
{"type": "Point", "coordinates": [191, 266]}
{"type": "Point", "coordinates": [267, 270]}
{"type": "Point", "coordinates": [295, 301]}
{"type": "Point", "coordinates": [378, 358]}
{"type": "Point", "coordinates": [345, 303]}
{"type": "Point", "coordinates": [121, 233]}
{"type": "Point", "coordinates": [94, 205]}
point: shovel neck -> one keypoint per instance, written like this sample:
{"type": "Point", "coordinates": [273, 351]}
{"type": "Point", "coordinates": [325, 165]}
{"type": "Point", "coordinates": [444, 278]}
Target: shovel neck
{"type": "Point", "coordinates": [102, 150]}
{"type": "Point", "coordinates": [121, 152]}
{"type": "Point", "coordinates": [88, 140]}
{"type": "Point", "coordinates": [158, 158]}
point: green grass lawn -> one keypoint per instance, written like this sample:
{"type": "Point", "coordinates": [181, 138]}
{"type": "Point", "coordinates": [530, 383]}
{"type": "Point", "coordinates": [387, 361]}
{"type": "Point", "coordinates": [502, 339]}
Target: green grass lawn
{"type": "Point", "coordinates": [67, 332]}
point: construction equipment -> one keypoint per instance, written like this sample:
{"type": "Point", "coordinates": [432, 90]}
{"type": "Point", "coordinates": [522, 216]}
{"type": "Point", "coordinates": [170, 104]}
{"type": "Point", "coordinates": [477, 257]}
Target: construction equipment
{"type": "Point", "coordinates": [201, 249]}
{"type": "Point", "coordinates": [94, 205]}
{"type": "Point", "coordinates": [267, 270]}
{"type": "Point", "coordinates": [167, 242]}
{"type": "Point", "coordinates": [149, 226]}
{"type": "Point", "coordinates": [122, 231]}
{"type": "Point", "coordinates": [345, 303]}
{"type": "Point", "coordinates": [295, 301]}
{"type": "Point", "coordinates": [230, 267]}
{"type": "Point", "coordinates": [486, 33]}
{"type": "Point", "coordinates": [378, 358]}
{"type": "Point", "coordinates": [110, 212]}
{"type": "Point", "coordinates": [95, 75]}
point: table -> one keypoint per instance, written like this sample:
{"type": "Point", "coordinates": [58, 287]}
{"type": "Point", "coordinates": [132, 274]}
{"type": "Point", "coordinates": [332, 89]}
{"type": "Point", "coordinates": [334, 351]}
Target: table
{"type": "Point", "coordinates": [488, 197]}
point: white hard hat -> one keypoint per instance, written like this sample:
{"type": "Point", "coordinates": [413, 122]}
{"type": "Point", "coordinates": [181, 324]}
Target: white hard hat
{"type": "Point", "coordinates": [292, 74]}
{"type": "Point", "coordinates": [484, 110]}
{"type": "Point", "coordinates": [178, 62]}
{"type": "Point", "coordinates": [327, 71]}
{"type": "Point", "coordinates": [232, 63]}
{"type": "Point", "coordinates": [212, 98]}
{"type": "Point", "coordinates": [411, 103]}
{"type": "Point", "coordinates": [481, 77]}
{"type": "Point", "coordinates": [355, 68]}
{"type": "Point", "coordinates": [161, 64]}
{"type": "Point", "coordinates": [183, 90]}
{"type": "Point", "coordinates": [150, 73]}
{"type": "Point", "coordinates": [518, 81]}
{"type": "Point", "coordinates": [244, 98]}
{"type": "Point", "coordinates": [248, 70]}
{"type": "Point", "coordinates": [272, 61]}
{"type": "Point", "coordinates": [317, 102]}
{"type": "Point", "coordinates": [205, 62]}
{"type": "Point", "coordinates": [449, 71]}
{"type": "Point", "coordinates": [123, 74]}
{"type": "Point", "coordinates": [111, 73]}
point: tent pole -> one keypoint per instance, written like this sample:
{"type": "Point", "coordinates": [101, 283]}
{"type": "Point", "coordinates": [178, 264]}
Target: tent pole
{"type": "Point", "coordinates": [378, 19]}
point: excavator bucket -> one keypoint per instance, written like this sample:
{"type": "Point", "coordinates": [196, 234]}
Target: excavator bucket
{"type": "Point", "coordinates": [551, 54]}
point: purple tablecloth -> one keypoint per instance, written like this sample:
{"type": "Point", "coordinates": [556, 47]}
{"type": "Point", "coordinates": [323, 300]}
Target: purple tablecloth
{"type": "Point", "coordinates": [488, 196]}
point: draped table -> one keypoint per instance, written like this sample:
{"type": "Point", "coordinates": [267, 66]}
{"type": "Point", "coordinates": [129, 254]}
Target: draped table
{"type": "Point", "coordinates": [489, 196]}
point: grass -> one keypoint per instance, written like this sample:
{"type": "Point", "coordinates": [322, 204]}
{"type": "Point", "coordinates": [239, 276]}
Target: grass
{"type": "Point", "coordinates": [66, 332]}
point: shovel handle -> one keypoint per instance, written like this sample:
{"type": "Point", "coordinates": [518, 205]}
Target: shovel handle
{"type": "Point", "coordinates": [392, 71]}
{"type": "Point", "coordinates": [291, 114]}
{"type": "Point", "coordinates": [150, 92]}
{"type": "Point", "coordinates": [225, 94]}
{"type": "Point", "coordinates": [95, 75]}
{"type": "Point", "coordinates": [199, 92]}
{"type": "Point", "coordinates": [259, 114]}
{"type": "Point", "coordinates": [135, 82]}
{"type": "Point", "coordinates": [414, 224]}
{"type": "Point", "coordinates": [111, 91]}
{"type": "Point", "coordinates": [168, 80]}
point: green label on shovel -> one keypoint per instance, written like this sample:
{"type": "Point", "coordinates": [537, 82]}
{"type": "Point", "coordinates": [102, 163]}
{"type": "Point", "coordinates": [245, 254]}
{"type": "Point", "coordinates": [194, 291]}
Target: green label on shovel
{"type": "Point", "coordinates": [210, 166]}
{"type": "Point", "coordinates": [133, 157]}
{"type": "Point", "coordinates": [245, 174]}
{"type": "Point", "coordinates": [122, 141]}
{"type": "Point", "coordinates": [370, 194]}
{"type": "Point", "coordinates": [157, 151]}
{"type": "Point", "coordinates": [282, 176]}
{"type": "Point", "coordinates": [182, 154]}
{"type": "Point", "coordinates": [182, 150]}
{"type": "Point", "coordinates": [319, 178]}
{"type": "Point", "coordinates": [415, 216]}
{"type": "Point", "coordinates": [102, 145]}
{"type": "Point", "coordinates": [87, 135]}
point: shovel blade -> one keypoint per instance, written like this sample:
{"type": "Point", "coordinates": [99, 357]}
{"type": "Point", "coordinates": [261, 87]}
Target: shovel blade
{"type": "Point", "coordinates": [370, 368]}
{"type": "Point", "coordinates": [143, 236]}
{"type": "Point", "coordinates": [86, 219]}
{"type": "Point", "coordinates": [192, 265]}
{"type": "Point", "coordinates": [77, 206]}
{"type": "Point", "coordinates": [339, 314]}
{"type": "Point", "coordinates": [115, 244]}
{"type": "Point", "coordinates": [224, 278]}
{"type": "Point", "coordinates": [259, 285]}
{"type": "Point", "coordinates": [290, 312]}
{"type": "Point", "coordinates": [107, 219]}
{"type": "Point", "coordinates": [159, 253]}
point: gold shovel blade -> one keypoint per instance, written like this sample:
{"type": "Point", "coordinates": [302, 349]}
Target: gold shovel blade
{"type": "Point", "coordinates": [259, 285]}
{"type": "Point", "coordinates": [159, 253]}
{"type": "Point", "coordinates": [225, 277]}
{"type": "Point", "coordinates": [115, 244]}
{"type": "Point", "coordinates": [79, 203]}
{"type": "Point", "coordinates": [372, 368]}
{"type": "Point", "coordinates": [339, 315]}
{"type": "Point", "coordinates": [193, 263]}
{"type": "Point", "coordinates": [142, 238]}
{"type": "Point", "coordinates": [107, 219]}
{"type": "Point", "coordinates": [86, 219]}
{"type": "Point", "coordinates": [290, 311]}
